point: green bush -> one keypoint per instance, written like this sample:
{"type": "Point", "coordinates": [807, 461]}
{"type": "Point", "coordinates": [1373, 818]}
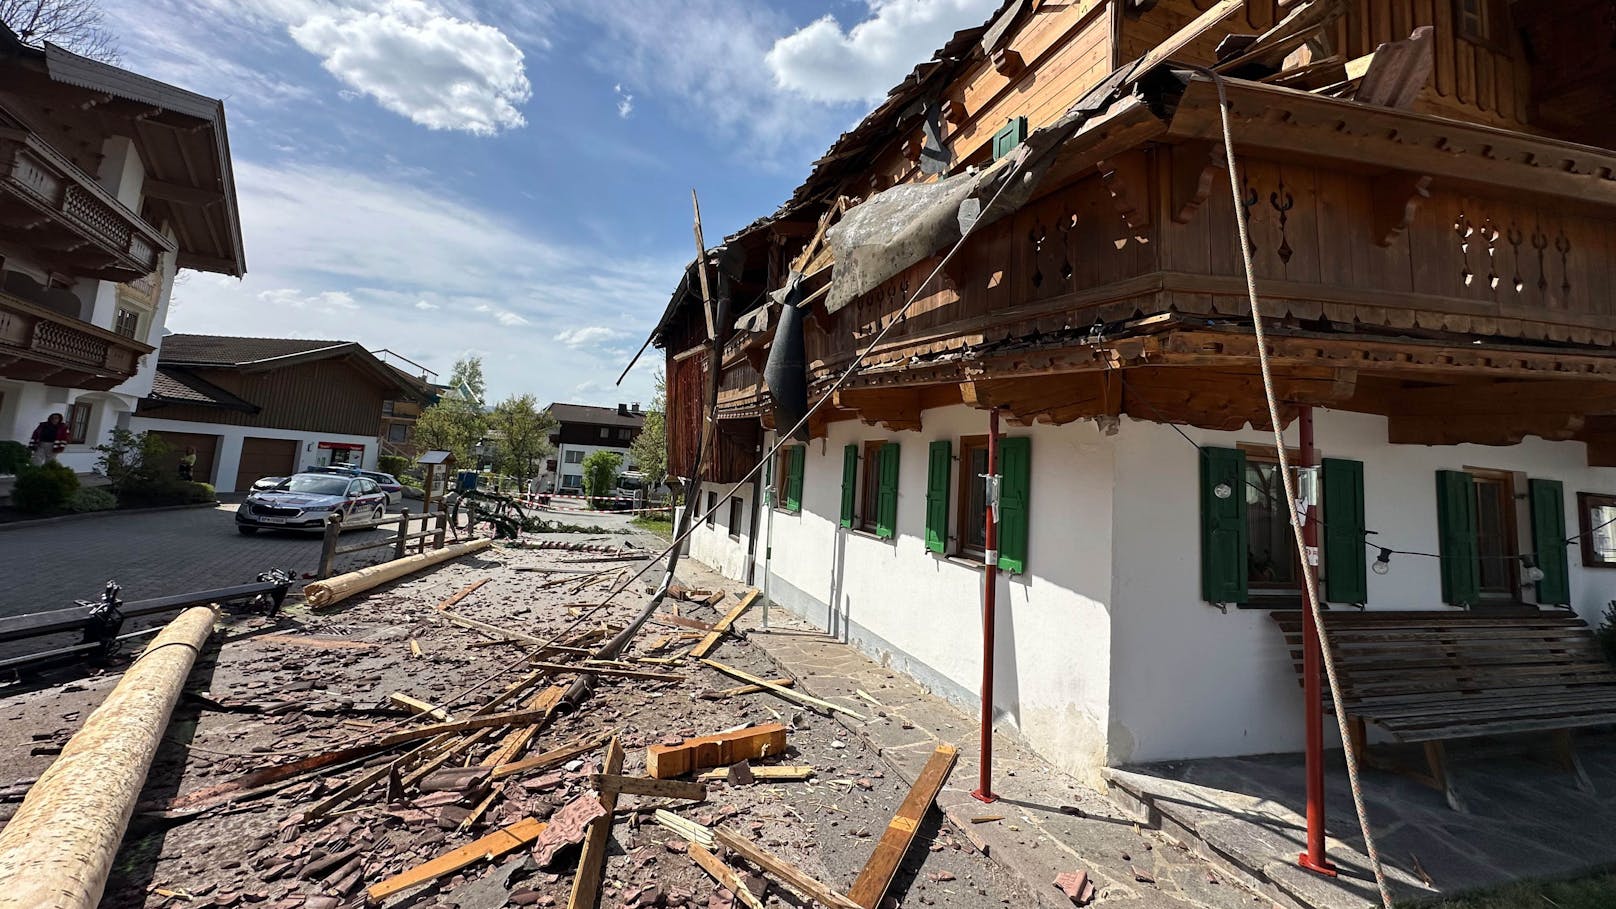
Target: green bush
{"type": "Point", "coordinates": [135, 462]}
{"type": "Point", "coordinates": [13, 457]}
{"type": "Point", "coordinates": [166, 493]}
{"type": "Point", "coordinates": [393, 464]}
{"type": "Point", "coordinates": [44, 488]}
{"type": "Point", "coordinates": [199, 493]}
{"type": "Point", "coordinates": [90, 498]}
{"type": "Point", "coordinates": [405, 479]}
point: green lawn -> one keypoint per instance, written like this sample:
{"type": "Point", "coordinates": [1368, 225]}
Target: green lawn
{"type": "Point", "coordinates": [659, 524]}
{"type": "Point", "coordinates": [1596, 892]}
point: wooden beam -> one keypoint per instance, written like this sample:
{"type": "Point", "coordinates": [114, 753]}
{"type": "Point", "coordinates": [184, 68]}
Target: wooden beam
{"type": "Point", "coordinates": [723, 874]}
{"type": "Point", "coordinates": [1213, 17]}
{"type": "Point", "coordinates": [492, 846]}
{"type": "Point", "coordinates": [711, 640]}
{"type": "Point", "coordinates": [610, 671]}
{"type": "Point", "coordinates": [788, 694]}
{"type": "Point", "coordinates": [420, 707]}
{"type": "Point", "coordinates": [897, 409]}
{"type": "Point", "coordinates": [1050, 399]}
{"type": "Point", "coordinates": [511, 718]}
{"type": "Point", "coordinates": [780, 773]}
{"type": "Point", "coordinates": [549, 758]}
{"type": "Point", "coordinates": [462, 593]}
{"type": "Point", "coordinates": [1481, 430]}
{"type": "Point", "coordinates": [667, 761]}
{"type": "Point", "coordinates": [586, 882]}
{"type": "Point", "coordinates": [614, 783]}
{"type": "Point", "coordinates": [1507, 398]}
{"type": "Point", "coordinates": [180, 193]}
{"type": "Point", "coordinates": [1399, 71]}
{"type": "Point", "coordinates": [783, 870]}
{"type": "Point", "coordinates": [878, 873]}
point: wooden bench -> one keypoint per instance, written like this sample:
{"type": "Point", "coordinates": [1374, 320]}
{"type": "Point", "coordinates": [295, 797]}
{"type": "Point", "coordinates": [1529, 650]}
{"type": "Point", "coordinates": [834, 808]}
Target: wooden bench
{"type": "Point", "coordinates": [1427, 677]}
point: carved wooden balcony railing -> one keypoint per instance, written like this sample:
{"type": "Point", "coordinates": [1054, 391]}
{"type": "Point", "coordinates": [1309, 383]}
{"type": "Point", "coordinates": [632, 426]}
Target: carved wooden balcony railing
{"type": "Point", "coordinates": [42, 345]}
{"type": "Point", "coordinates": [49, 204]}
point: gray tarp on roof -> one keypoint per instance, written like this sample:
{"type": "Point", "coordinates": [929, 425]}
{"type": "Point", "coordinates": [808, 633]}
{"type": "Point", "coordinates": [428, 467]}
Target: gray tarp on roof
{"type": "Point", "coordinates": [897, 228]}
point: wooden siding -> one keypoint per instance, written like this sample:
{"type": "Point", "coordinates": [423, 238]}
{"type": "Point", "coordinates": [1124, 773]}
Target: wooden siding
{"type": "Point", "coordinates": [589, 434]}
{"type": "Point", "coordinates": [686, 388]}
{"type": "Point", "coordinates": [318, 396]}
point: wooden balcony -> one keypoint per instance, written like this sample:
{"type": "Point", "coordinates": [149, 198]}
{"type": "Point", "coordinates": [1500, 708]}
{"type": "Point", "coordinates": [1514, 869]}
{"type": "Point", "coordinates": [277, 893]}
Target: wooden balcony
{"type": "Point", "coordinates": [61, 214]}
{"type": "Point", "coordinates": [41, 345]}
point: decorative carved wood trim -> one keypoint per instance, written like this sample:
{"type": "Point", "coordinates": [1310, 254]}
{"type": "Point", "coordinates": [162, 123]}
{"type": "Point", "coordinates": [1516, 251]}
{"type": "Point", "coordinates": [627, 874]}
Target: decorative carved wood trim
{"type": "Point", "coordinates": [897, 409]}
{"type": "Point", "coordinates": [1397, 198]}
{"type": "Point", "coordinates": [954, 111]}
{"type": "Point", "coordinates": [1127, 179]}
{"type": "Point", "coordinates": [1008, 62]}
{"type": "Point", "coordinates": [1197, 166]}
{"type": "Point", "coordinates": [1056, 400]}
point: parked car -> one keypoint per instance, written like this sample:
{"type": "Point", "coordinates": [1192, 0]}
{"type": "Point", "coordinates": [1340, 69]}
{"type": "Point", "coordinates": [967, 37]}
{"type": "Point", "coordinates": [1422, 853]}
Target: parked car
{"type": "Point", "coordinates": [388, 483]}
{"type": "Point", "coordinates": [272, 482]}
{"type": "Point", "coordinates": [304, 501]}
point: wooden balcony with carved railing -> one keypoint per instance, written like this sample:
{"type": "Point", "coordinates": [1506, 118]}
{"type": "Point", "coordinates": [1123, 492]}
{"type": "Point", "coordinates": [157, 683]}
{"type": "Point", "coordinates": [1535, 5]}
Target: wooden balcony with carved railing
{"type": "Point", "coordinates": [41, 345]}
{"type": "Point", "coordinates": [66, 219]}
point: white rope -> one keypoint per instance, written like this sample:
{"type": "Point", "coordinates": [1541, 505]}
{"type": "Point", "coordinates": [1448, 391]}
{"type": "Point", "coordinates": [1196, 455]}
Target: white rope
{"type": "Point", "coordinates": [1309, 582]}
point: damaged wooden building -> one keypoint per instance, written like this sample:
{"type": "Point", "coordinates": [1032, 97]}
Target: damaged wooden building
{"type": "Point", "coordinates": [1432, 207]}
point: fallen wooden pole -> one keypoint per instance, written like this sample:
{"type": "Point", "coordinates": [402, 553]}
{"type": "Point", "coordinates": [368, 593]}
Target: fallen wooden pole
{"type": "Point", "coordinates": [462, 593]}
{"type": "Point", "coordinates": [549, 758]}
{"type": "Point", "coordinates": [492, 846]}
{"type": "Point", "coordinates": [489, 629]}
{"type": "Point", "coordinates": [793, 876]}
{"type": "Point", "coordinates": [878, 873]}
{"type": "Point", "coordinates": [586, 883]}
{"type": "Point", "coordinates": [639, 785]}
{"type": "Point", "coordinates": [610, 671]}
{"type": "Point", "coordinates": [723, 874]}
{"type": "Point", "coordinates": [57, 850]}
{"type": "Point", "coordinates": [331, 591]}
{"type": "Point", "coordinates": [722, 628]}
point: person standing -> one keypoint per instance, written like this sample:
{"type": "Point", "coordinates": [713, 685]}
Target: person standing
{"type": "Point", "coordinates": [50, 438]}
{"type": "Point", "coordinates": [187, 462]}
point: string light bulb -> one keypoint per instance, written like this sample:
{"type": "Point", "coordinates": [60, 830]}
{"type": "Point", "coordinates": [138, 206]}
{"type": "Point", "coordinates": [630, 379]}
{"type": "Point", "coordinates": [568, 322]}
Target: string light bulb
{"type": "Point", "coordinates": [1383, 562]}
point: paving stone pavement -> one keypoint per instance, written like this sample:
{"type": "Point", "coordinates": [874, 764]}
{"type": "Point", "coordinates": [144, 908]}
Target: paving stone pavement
{"type": "Point", "coordinates": [48, 566]}
{"type": "Point", "coordinates": [1051, 823]}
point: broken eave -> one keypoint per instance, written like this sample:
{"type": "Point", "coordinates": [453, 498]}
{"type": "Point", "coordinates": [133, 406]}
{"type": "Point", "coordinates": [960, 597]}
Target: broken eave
{"type": "Point", "coordinates": [1314, 127]}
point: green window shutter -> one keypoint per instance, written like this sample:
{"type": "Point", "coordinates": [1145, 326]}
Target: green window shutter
{"type": "Point", "coordinates": [1548, 541]}
{"type": "Point", "coordinates": [886, 507]}
{"type": "Point", "coordinates": [939, 460]}
{"type": "Point", "coordinates": [1456, 532]}
{"type": "Point", "coordinates": [794, 478]}
{"type": "Point", "coordinates": [1225, 546]}
{"type": "Point", "coordinates": [1346, 562]}
{"type": "Point", "coordinates": [1015, 502]}
{"type": "Point", "coordinates": [1010, 135]}
{"type": "Point", "coordinates": [850, 456]}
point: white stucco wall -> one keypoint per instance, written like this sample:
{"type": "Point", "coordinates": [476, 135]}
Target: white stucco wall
{"type": "Point", "coordinates": [1105, 652]}
{"type": "Point", "coordinates": [722, 547]}
{"type": "Point", "coordinates": [1189, 680]}
{"type": "Point", "coordinates": [228, 459]}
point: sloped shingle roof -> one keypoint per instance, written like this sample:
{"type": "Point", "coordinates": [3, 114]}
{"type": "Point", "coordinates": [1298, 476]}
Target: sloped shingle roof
{"type": "Point", "coordinates": [596, 416]}
{"type": "Point", "coordinates": [218, 350]}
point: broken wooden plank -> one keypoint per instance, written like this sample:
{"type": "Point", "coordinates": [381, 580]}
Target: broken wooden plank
{"type": "Point", "coordinates": [639, 785]}
{"type": "Point", "coordinates": [586, 883]}
{"type": "Point", "coordinates": [492, 846]}
{"type": "Point", "coordinates": [462, 593]}
{"type": "Point", "coordinates": [610, 671]}
{"type": "Point", "coordinates": [420, 707]}
{"type": "Point", "coordinates": [682, 622]}
{"type": "Point", "coordinates": [724, 875]}
{"type": "Point", "coordinates": [514, 743]}
{"type": "Point", "coordinates": [667, 761]}
{"type": "Point", "coordinates": [510, 718]}
{"type": "Point", "coordinates": [688, 830]}
{"type": "Point", "coordinates": [787, 873]}
{"type": "Point", "coordinates": [489, 629]}
{"type": "Point", "coordinates": [877, 875]}
{"type": "Point", "coordinates": [788, 694]}
{"type": "Point", "coordinates": [779, 774]}
{"type": "Point", "coordinates": [297, 640]}
{"type": "Point", "coordinates": [415, 648]}
{"type": "Point", "coordinates": [711, 640]}
{"type": "Point", "coordinates": [749, 689]}
{"type": "Point", "coordinates": [550, 758]}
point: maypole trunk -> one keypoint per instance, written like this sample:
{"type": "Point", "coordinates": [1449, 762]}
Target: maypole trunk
{"type": "Point", "coordinates": [57, 851]}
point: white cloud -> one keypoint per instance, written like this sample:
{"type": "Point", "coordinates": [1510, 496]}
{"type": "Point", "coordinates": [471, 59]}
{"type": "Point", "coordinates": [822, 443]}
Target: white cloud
{"type": "Point", "coordinates": [586, 336]}
{"type": "Point", "coordinates": [440, 71]}
{"type": "Point", "coordinates": [625, 101]}
{"type": "Point", "coordinates": [823, 62]}
{"type": "Point", "coordinates": [378, 259]}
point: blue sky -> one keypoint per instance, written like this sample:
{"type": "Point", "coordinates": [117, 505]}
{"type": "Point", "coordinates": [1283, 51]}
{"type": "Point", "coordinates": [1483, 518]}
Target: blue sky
{"type": "Point", "coordinates": [443, 177]}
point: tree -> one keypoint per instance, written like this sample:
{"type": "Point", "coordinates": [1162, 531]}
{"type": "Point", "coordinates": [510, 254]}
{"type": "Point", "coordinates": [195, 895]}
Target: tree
{"type": "Point", "coordinates": [454, 425]}
{"type": "Point", "coordinates": [77, 25]}
{"type": "Point", "coordinates": [650, 447]}
{"type": "Point", "coordinates": [524, 436]}
{"type": "Point", "coordinates": [600, 474]}
{"type": "Point", "coordinates": [467, 374]}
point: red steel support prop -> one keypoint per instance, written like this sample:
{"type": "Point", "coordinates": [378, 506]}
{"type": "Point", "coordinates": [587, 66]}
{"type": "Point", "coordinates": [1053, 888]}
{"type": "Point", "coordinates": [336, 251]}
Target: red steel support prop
{"type": "Point", "coordinates": [1314, 858]}
{"type": "Point", "coordinates": [990, 586]}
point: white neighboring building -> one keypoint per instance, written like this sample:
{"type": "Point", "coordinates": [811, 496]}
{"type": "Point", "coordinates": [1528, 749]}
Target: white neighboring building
{"type": "Point", "coordinates": [111, 183]}
{"type": "Point", "coordinates": [581, 430]}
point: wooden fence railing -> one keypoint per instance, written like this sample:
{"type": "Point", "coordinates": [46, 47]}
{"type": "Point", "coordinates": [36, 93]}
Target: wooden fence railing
{"type": "Point", "coordinates": [399, 541]}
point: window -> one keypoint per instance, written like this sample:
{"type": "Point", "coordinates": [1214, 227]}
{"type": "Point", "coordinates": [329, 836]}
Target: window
{"type": "Point", "coordinates": [127, 322]}
{"type": "Point", "coordinates": [737, 514]}
{"type": "Point", "coordinates": [870, 491]}
{"type": "Point", "coordinates": [625, 434]}
{"type": "Point", "coordinates": [1483, 556]}
{"type": "Point", "coordinates": [573, 481]}
{"type": "Point", "coordinates": [1272, 566]}
{"type": "Point", "coordinates": [712, 506]}
{"type": "Point", "coordinates": [1596, 522]}
{"type": "Point", "coordinates": [78, 422]}
{"type": "Point", "coordinates": [788, 472]}
{"type": "Point", "coordinates": [398, 432]}
{"type": "Point", "coordinates": [1496, 542]}
{"type": "Point", "coordinates": [573, 456]}
{"type": "Point", "coordinates": [973, 497]}
{"type": "Point", "coordinates": [387, 408]}
{"type": "Point", "coordinates": [605, 432]}
{"type": "Point", "coordinates": [1484, 22]}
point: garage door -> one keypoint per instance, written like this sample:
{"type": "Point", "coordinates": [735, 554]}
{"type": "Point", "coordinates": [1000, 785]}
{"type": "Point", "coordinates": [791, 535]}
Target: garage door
{"type": "Point", "coordinates": [265, 458]}
{"type": "Point", "coordinates": [207, 449]}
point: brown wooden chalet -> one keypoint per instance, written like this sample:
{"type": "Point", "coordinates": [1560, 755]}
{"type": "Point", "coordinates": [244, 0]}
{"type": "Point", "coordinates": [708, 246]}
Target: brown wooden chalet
{"type": "Point", "coordinates": [1431, 200]}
